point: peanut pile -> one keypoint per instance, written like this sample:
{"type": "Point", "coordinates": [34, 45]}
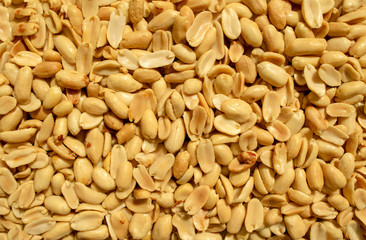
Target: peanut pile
{"type": "Point", "coordinates": [182, 119]}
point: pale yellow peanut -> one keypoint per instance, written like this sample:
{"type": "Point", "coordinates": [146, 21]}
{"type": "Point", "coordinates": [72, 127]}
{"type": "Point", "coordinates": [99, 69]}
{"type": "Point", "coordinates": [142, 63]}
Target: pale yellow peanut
{"type": "Point", "coordinates": [305, 46]}
{"type": "Point", "coordinates": [250, 32]}
{"type": "Point", "coordinates": [268, 71]}
{"type": "Point", "coordinates": [22, 88]}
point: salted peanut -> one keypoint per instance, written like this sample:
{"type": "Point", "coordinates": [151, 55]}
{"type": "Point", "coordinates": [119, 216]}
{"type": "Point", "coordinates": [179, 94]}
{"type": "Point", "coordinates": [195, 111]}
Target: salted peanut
{"type": "Point", "coordinates": [149, 124]}
{"type": "Point", "coordinates": [119, 223]}
{"type": "Point", "coordinates": [184, 53]}
{"type": "Point", "coordinates": [299, 197]}
{"type": "Point", "coordinates": [230, 23]}
{"type": "Point", "coordinates": [279, 131]}
{"type": "Point", "coordinates": [258, 182]}
{"type": "Point", "coordinates": [94, 106]}
{"type": "Point", "coordinates": [24, 29]}
{"type": "Point", "coordinates": [40, 226]}
{"type": "Point", "coordinates": [354, 230]}
{"type": "Point", "coordinates": [274, 200]}
{"type": "Point", "coordinates": [8, 183]}
{"type": "Point", "coordinates": [223, 211]}
{"type": "Point", "coordinates": [42, 178]}
{"type": "Point", "coordinates": [57, 205]}
{"type": "Point", "coordinates": [357, 49]}
{"type": "Point", "coordinates": [201, 24]}
{"type": "Point", "coordinates": [305, 46]}
{"type": "Point", "coordinates": [136, 39]}
{"type": "Point", "coordinates": [106, 67]}
{"type": "Point", "coordinates": [88, 121]}
{"type": "Point", "coordinates": [61, 229]}
{"type": "Point", "coordinates": [116, 27]}
{"type": "Point", "coordinates": [87, 220]}
{"type": "Point", "coordinates": [277, 14]}
{"type": "Point", "coordinates": [63, 108]}
{"type": "Point", "coordinates": [338, 202]}
{"type": "Point", "coordinates": [343, 42]}
{"type": "Point", "coordinates": [295, 226]}
{"type": "Point", "coordinates": [236, 109]}
{"type": "Point", "coordinates": [313, 81]}
{"type": "Point", "coordinates": [7, 104]}
{"type": "Point", "coordinates": [315, 120]}
{"type": "Point", "coordinates": [23, 85]}
{"type": "Point", "coordinates": [314, 175]}
{"type": "Point", "coordinates": [247, 141]}
{"type": "Point", "coordinates": [246, 66]}
{"type": "Point", "coordinates": [89, 195]}
{"type": "Point", "coordinates": [329, 75]}
{"type": "Point", "coordinates": [94, 145]}
{"type": "Point", "coordinates": [20, 157]}
{"type": "Point", "coordinates": [274, 40]}
{"type": "Point", "coordinates": [184, 225]}
{"type": "Point", "coordinates": [211, 178]}
{"type": "Point", "coordinates": [318, 231]}
{"type": "Point", "coordinates": [128, 60]}
{"type": "Point", "coordinates": [254, 215]}
{"type": "Point", "coordinates": [40, 88]}
{"type": "Point", "coordinates": [142, 205]}
{"type": "Point", "coordinates": [75, 17]}
{"type": "Point", "coordinates": [348, 89]}
{"type": "Point", "coordinates": [57, 181]}
{"type": "Point", "coordinates": [240, 9]}
{"type": "Point", "coordinates": [334, 58]}
{"type": "Point", "coordinates": [102, 179]}
{"type": "Point", "coordinates": [300, 182]}
{"type": "Point", "coordinates": [180, 27]}
{"type": "Point", "coordinates": [205, 155]}
{"type": "Point", "coordinates": [236, 50]}
{"type": "Point", "coordinates": [100, 233]}
{"type": "Point", "coordinates": [329, 150]}
{"type": "Point", "coordinates": [197, 199]}
{"type": "Point", "coordinates": [163, 21]}
{"type": "Point", "coordinates": [323, 209]}
{"type": "Point", "coordinates": [52, 97]}
{"type": "Point", "coordinates": [66, 48]}
{"type": "Point", "coordinates": [162, 228]}
{"type": "Point", "coordinates": [279, 158]}
{"type": "Point", "coordinates": [140, 225]}
{"type": "Point", "coordinates": [333, 178]}
{"type": "Point", "coordinates": [205, 63]}
{"type": "Point", "coordinates": [123, 82]}
{"type": "Point", "coordinates": [300, 62]}
{"type": "Point", "coordinates": [143, 178]}
{"type": "Point", "coordinates": [26, 58]}
{"type": "Point", "coordinates": [84, 58]}
{"type": "Point", "coordinates": [349, 73]}
{"type": "Point", "coordinates": [332, 230]}
{"type": "Point", "coordinates": [176, 139]}
{"type": "Point", "coordinates": [162, 40]}
{"type": "Point", "coordinates": [159, 169]}
{"type": "Point", "coordinates": [258, 7]}
{"type": "Point", "coordinates": [226, 125]}
{"type": "Point", "coordinates": [118, 107]}
{"type": "Point", "coordinates": [271, 106]}
{"type": "Point", "coordinates": [334, 135]}
{"type": "Point", "coordinates": [268, 70]}
{"type": "Point", "coordinates": [250, 32]}
{"type": "Point", "coordinates": [312, 13]}
{"type": "Point", "coordinates": [71, 79]}
{"type": "Point", "coordinates": [244, 161]}
{"type": "Point", "coordinates": [192, 86]}
{"type": "Point", "coordinates": [223, 154]}
{"type": "Point", "coordinates": [146, 75]}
